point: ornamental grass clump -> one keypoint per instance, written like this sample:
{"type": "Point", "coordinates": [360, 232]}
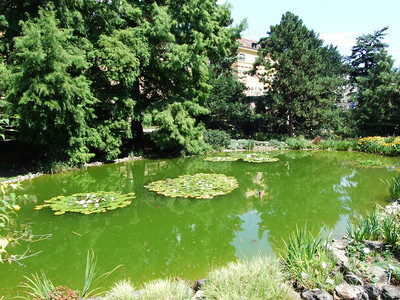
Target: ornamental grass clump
{"type": "Point", "coordinates": [87, 203]}
{"type": "Point", "coordinates": [368, 228]}
{"type": "Point", "coordinates": [165, 289]}
{"type": "Point", "coordinates": [308, 262]}
{"type": "Point", "coordinates": [121, 290]}
{"type": "Point", "coordinates": [199, 186]}
{"type": "Point", "coordinates": [394, 188]}
{"type": "Point", "coordinates": [258, 278]}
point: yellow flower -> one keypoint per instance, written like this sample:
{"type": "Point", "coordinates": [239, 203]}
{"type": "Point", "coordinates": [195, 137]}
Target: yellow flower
{"type": "Point", "coordinates": [17, 207]}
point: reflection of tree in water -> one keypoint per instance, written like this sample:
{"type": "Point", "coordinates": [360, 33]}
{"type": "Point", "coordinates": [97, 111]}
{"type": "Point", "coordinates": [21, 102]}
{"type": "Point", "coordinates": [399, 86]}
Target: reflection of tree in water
{"type": "Point", "coordinates": [167, 236]}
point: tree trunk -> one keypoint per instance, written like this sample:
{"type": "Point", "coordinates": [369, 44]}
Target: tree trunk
{"type": "Point", "coordinates": [137, 134]}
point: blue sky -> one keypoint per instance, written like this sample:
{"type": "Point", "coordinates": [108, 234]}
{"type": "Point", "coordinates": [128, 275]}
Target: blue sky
{"type": "Point", "coordinates": [338, 22]}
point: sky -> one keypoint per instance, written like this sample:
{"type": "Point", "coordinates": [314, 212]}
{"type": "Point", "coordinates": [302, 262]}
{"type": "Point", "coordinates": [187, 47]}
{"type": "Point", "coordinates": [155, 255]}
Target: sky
{"type": "Point", "coordinates": [337, 22]}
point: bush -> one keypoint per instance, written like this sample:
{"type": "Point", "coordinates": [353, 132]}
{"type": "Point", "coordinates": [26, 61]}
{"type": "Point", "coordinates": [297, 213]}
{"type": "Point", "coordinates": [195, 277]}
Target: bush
{"type": "Point", "coordinates": [259, 278]}
{"type": "Point", "coordinates": [217, 138]}
{"type": "Point", "coordinates": [298, 143]}
{"type": "Point", "coordinates": [241, 144]}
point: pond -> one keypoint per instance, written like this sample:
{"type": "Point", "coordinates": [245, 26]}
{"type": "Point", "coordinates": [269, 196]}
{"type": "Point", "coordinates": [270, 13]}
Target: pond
{"type": "Point", "coordinates": [159, 237]}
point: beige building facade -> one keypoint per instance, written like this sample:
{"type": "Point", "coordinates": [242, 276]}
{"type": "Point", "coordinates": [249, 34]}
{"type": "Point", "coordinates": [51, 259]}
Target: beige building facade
{"type": "Point", "coordinates": [247, 55]}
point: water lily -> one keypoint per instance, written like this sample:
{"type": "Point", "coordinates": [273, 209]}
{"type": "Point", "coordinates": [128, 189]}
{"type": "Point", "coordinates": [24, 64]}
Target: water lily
{"type": "Point", "coordinates": [17, 207]}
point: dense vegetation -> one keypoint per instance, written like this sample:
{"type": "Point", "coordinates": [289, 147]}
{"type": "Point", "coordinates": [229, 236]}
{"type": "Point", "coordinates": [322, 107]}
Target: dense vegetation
{"type": "Point", "coordinates": [79, 79]}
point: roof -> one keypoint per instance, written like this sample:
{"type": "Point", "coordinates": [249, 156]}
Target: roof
{"type": "Point", "coordinates": [249, 44]}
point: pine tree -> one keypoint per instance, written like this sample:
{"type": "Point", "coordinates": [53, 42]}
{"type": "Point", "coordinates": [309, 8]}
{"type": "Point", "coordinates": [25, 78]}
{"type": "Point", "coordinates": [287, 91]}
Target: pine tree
{"type": "Point", "coordinates": [306, 77]}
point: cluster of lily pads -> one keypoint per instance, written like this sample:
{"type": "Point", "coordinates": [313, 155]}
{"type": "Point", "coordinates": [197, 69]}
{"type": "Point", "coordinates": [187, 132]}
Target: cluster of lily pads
{"type": "Point", "coordinates": [248, 157]}
{"type": "Point", "coordinates": [87, 203]}
{"type": "Point", "coordinates": [199, 186]}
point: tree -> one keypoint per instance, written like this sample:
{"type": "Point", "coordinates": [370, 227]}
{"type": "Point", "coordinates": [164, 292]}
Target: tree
{"type": "Point", "coordinates": [178, 130]}
{"type": "Point", "coordinates": [48, 90]}
{"type": "Point", "coordinates": [307, 75]}
{"type": "Point", "coordinates": [376, 86]}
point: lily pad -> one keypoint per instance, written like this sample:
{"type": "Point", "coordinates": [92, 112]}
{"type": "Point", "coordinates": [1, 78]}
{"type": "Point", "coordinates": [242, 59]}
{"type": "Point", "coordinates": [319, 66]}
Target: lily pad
{"type": "Point", "coordinates": [87, 203]}
{"type": "Point", "coordinates": [199, 186]}
{"type": "Point", "coordinates": [221, 158]}
{"type": "Point", "coordinates": [248, 157]}
{"type": "Point", "coordinates": [259, 158]}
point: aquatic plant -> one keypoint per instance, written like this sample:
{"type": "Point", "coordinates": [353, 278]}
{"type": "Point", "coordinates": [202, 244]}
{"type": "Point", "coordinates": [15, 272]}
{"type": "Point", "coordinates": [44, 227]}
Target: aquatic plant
{"type": "Point", "coordinates": [87, 203]}
{"type": "Point", "coordinates": [199, 186]}
{"type": "Point", "coordinates": [248, 157]}
{"type": "Point", "coordinates": [220, 158]}
{"type": "Point", "coordinates": [259, 158]}
{"type": "Point", "coordinates": [369, 163]}
{"type": "Point", "coordinates": [365, 229]}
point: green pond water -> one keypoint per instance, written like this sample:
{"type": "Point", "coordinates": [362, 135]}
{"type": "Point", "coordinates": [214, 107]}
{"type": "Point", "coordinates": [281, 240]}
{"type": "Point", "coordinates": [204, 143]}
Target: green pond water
{"type": "Point", "coordinates": [160, 237]}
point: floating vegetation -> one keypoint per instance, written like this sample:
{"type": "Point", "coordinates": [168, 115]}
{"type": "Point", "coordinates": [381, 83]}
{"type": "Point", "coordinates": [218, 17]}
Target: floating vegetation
{"type": "Point", "coordinates": [219, 158]}
{"type": "Point", "coordinates": [369, 163]}
{"type": "Point", "coordinates": [199, 186]}
{"type": "Point", "coordinates": [259, 158]}
{"type": "Point", "coordinates": [87, 203]}
{"type": "Point", "coordinates": [248, 157]}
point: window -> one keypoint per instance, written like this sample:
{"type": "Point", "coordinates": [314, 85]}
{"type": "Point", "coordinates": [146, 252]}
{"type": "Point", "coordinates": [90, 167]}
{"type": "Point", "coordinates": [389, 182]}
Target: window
{"type": "Point", "coordinates": [242, 57]}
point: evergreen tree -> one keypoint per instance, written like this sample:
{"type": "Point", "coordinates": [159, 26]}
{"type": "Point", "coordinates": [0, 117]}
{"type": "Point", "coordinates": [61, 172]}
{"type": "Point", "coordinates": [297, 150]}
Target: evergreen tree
{"type": "Point", "coordinates": [376, 86]}
{"type": "Point", "coordinates": [49, 91]}
{"type": "Point", "coordinates": [306, 77]}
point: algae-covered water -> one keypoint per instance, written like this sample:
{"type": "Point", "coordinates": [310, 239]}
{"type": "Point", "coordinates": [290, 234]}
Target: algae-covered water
{"type": "Point", "coordinates": [159, 237]}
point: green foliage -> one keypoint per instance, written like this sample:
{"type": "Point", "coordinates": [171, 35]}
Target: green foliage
{"type": "Point", "coordinates": [221, 159]}
{"type": "Point", "coordinates": [218, 139]}
{"type": "Point", "coordinates": [376, 83]}
{"type": "Point", "coordinates": [258, 278]}
{"type": "Point", "coordinates": [257, 157]}
{"type": "Point", "coordinates": [87, 203]}
{"type": "Point", "coordinates": [307, 260]}
{"type": "Point", "coordinates": [199, 186]}
{"type": "Point", "coordinates": [394, 188]}
{"type": "Point", "coordinates": [178, 130]}
{"type": "Point", "coordinates": [307, 76]}
{"type": "Point", "coordinates": [49, 90]}
{"type": "Point", "coordinates": [39, 286]}
{"type": "Point", "coordinates": [298, 143]}
{"type": "Point", "coordinates": [369, 163]}
{"type": "Point", "coordinates": [241, 144]}
{"type": "Point", "coordinates": [365, 229]}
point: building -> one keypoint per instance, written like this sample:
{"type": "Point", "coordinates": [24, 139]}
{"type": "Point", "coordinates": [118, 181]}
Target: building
{"type": "Point", "coordinates": [247, 55]}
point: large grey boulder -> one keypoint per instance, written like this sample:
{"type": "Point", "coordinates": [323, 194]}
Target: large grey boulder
{"type": "Point", "coordinates": [390, 292]}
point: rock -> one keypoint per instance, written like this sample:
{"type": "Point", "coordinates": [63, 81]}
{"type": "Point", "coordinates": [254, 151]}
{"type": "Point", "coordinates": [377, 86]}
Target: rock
{"type": "Point", "coordinates": [316, 294]}
{"type": "Point", "coordinates": [200, 283]}
{"type": "Point", "coordinates": [373, 291]}
{"type": "Point", "coordinates": [199, 295]}
{"type": "Point", "coordinates": [349, 292]}
{"type": "Point", "coordinates": [374, 245]}
{"type": "Point", "coordinates": [353, 279]}
{"type": "Point", "coordinates": [380, 274]}
{"type": "Point", "coordinates": [390, 292]}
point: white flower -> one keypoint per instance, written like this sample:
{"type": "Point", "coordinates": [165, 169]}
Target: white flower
{"type": "Point", "coordinates": [82, 202]}
{"type": "Point", "coordinates": [84, 205]}
{"type": "Point", "coordinates": [96, 205]}
{"type": "Point", "coordinates": [112, 198]}
{"type": "Point", "coordinates": [323, 265]}
{"type": "Point", "coordinates": [89, 201]}
{"type": "Point", "coordinates": [366, 250]}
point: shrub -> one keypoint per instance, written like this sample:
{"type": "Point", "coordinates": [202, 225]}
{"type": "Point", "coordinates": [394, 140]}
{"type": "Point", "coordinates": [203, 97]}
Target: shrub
{"type": "Point", "coordinates": [298, 143]}
{"type": "Point", "coordinates": [276, 144]}
{"type": "Point", "coordinates": [217, 138]}
{"type": "Point", "coordinates": [259, 278]}
{"type": "Point", "coordinates": [241, 144]}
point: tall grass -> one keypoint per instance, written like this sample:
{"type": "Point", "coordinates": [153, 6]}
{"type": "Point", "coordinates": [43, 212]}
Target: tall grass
{"type": "Point", "coordinates": [368, 228]}
{"type": "Point", "coordinates": [307, 259]}
{"type": "Point", "coordinates": [394, 188]}
{"type": "Point", "coordinates": [39, 286]}
{"type": "Point", "coordinates": [298, 143]}
{"type": "Point", "coordinates": [90, 274]}
{"type": "Point", "coordinates": [259, 278]}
